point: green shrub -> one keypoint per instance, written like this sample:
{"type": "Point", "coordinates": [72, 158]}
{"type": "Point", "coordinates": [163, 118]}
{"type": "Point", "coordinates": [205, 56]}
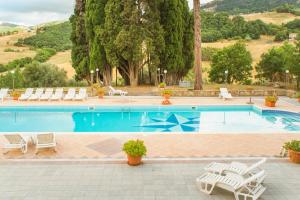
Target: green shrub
{"type": "Point", "coordinates": [293, 145]}
{"type": "Point", "coordinates": [298, 95]}
{"type": "Point", "coordinates": [135, 148]}
{"type": "Point", "coordinates": [11, 50]}
{"type": "Point", "coordinates": [44, 75]}
{"type": "Point", "coordinates": [208, 53]}
{"type": "Point", "coordinates": [162, 85]}
{"type": "Point", "coordinates": [44, 54]}
{"type": "Point", "coordinates": [281, 36]}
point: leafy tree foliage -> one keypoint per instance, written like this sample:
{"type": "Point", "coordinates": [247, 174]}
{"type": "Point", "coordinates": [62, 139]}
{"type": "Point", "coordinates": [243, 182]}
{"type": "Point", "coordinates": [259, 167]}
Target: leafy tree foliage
{"type": "Point", "coordinates": [133, 38]}
{"type": "Point", "coordinates": [176, 21]}
{"type": "Point", "coordinates": [15, 63]}
{"type": "Point", "coordinates": [216, 26]}
{"type": "Point", "coordinates": [44, 54]}
{"type": "Point", "coordinates": [288, 8]}
{"type": "Point", "coordinates": [293, 25]}
{"type": "Point", "coordinates": [281, 36]}
{"type": "Point", "coordinates": [274, 63]}
{"type": "Point", "coordinates": [53, 36]}
{"type": "Point", "coordinates": [247, 6]}
{"type": "Point", "coordinates": [80, 54]}
{"type": "Point", "coordinates": [94, 22]}
{"type": "Point", "coordinates": [43, 75]}
{"type": "Point", "coordinates": [236, 59]}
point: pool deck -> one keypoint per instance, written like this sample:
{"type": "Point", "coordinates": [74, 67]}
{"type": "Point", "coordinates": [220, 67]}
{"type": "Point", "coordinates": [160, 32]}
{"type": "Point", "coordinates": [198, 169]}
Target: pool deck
{"type": "Point", "coordinates": [108, 146]}
{"type": "Point", "coordinates": [151, 181]}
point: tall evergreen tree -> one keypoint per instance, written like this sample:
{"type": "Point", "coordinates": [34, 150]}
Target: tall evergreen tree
{"type": "Point", "coordinates": [132, 35]}
{"type": "Point", "coordinates": [80, 55]}
{"type": "Point", "coordinates": [178, 34]}
{"type": "Point", "coordinates": [94, 22]}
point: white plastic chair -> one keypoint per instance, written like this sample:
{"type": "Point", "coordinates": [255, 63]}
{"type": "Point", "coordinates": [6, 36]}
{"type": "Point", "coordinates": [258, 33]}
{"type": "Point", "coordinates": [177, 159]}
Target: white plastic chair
{"type": "Point", "coordinates": [71, 94]}
{"type": "Point", "coordinates": [47, 95]}
{"type": "Point", "coordinates": [234, 167]}
{"type": "Point", "coordinates": [58, 95]}
{"type": "Point", "coordinates": [113, 91]}
{"type": "Point", "coordinates": [45, 140]}
{"type": "Point", "coordinates": [249, 188]}
{"type": "Point", "coordinates": [16, 141]}
{"type": "Point", "coordinates": [82, 94]}
{"type": "Point", "coordinates": [26, 95]}
{"type": "Point", "coordinates": [38, 93]}
{"type": "Point", "coordinates": [3, 93]}
{"type": "Point", "coordinates": [224, 94]}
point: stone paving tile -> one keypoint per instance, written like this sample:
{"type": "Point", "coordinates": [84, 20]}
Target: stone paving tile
{"type": "Point", "coordinates": [164, 181]}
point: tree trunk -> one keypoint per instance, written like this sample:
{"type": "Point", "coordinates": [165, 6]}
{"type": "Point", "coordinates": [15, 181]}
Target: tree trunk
{"type": "Point", "coordinates": [133, 75]}
{"type": "Point", "coordinates": [107, 75]}
{"type": "Point", "coordinates": [198, 60]}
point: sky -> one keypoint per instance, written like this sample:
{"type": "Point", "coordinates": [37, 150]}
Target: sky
{"type": "Point", "coordinates": [33, 12]}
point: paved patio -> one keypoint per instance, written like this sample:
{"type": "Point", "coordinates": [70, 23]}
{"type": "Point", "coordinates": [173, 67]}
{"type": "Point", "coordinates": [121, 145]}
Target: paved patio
{"type": "Point", "coordinates": [151, 181]}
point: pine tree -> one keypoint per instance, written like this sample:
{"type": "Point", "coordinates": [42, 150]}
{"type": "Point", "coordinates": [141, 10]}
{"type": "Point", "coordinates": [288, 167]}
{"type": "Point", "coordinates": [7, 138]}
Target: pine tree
{"type": "Point", "coordinates": [80, 55]}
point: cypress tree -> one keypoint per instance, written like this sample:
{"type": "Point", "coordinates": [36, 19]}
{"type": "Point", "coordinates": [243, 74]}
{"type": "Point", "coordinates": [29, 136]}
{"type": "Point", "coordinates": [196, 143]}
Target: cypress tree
{"type": "Point", "coordinates": [80, 61]}
{"type": "Point", "coordinates": [132, 36]}
{"type": "Point", "coordinates": [94, 22]}
{"type": "Point", "coordinates": [176, 20]}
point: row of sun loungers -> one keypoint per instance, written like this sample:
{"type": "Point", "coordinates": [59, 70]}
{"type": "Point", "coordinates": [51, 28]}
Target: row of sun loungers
{"type": "Point", "coordinates": [49, 94]}
{"type": "Point", "coordinates": [41, 141]}
{"type": "Point", "coordinates": [246, 182]}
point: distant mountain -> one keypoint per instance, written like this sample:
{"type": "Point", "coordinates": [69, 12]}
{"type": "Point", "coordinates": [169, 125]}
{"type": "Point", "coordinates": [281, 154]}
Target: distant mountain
{"type": "Point", "coordinates": [246, 6]}
{"type": "Point", "coordinates": [8, 24]}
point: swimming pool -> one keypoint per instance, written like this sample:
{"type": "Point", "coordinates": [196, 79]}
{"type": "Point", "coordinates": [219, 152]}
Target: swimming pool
{"type": "Point", "coordinates": [208, 119]}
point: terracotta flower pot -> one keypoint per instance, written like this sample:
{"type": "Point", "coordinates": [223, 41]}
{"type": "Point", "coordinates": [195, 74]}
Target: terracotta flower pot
{"type": "Point", "coordinates": [270, 104]}
{"type": "Point", "coordinates": [166, 102]}
{"type": "Point", "coordinates": [100, 96]}
{"type": "Point", "coordinates": [299, 99]}
{"type": "Point", "coordinates": [294, 156]}
{"type": "Point", "coordinates": [167, 96]}
{"type": "Point", "coordinates": [134, 161]}
{"type": "Point", "coordinates": [16, 98]}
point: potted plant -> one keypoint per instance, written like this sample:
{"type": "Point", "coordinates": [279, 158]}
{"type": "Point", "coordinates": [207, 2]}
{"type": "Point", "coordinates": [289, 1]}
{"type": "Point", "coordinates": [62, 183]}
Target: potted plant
{"type": "Point", "coordinates": [270, 101]}
{"type": "Point", "coordinates": [100, 92]}
{"type": "Point", "coordinates": [298, 96]}
{"type": "Point", "coordinates": [293, 147]}
{"type": "Point", "coordinates": [162, 85]}
{"type": "Point", "coordinates": [166, 94]}
{"type": "Point", "coordinates": [16, 95]}
{"type": "Point", "coordinates": [135, 150]}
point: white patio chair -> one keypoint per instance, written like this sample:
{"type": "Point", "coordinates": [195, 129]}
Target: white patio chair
{"type": "Point", "coordinates": [58, 95]}
{"type": "Point", "coordinates": [82, 94]}
{"type": "Point", "coordinates": [234, 167]}
{"type": "Point", "coordinates": [38, 93]}
{"type": "Point", "coordinates": [45, 140]}
{"type": "Point", "coordinates": [3, 93]}
{"type": "Point", "coordinates": [47, 95]}
{"type": "Point", "coordinates": [71, 94]}
{"type": "Point", "coordinates": [224, 94]}
{"type": "Point", "coordinates": [113, 91]}
{"type": "Point", "coordinates": [16, 141]}
{"type": "Point", "coordinates": [26, 95]}
{"type": "Point", "coordinates": [249, 188]}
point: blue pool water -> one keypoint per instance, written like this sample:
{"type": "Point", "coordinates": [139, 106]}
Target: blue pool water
{"type": "Point", "coordinates": [215, 119]}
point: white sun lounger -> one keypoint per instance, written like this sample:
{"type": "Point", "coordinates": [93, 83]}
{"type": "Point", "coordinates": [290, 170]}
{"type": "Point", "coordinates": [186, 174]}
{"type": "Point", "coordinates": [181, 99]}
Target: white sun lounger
{"type": "Point", "coordinates": [45, 140]}
{"type": "Point", "coordinates": [58, 95]}
{"type": "Point", "coordinates": [26, 95]}
{"type": "Point", "coordinates": [3, 94]}
{"type": "Point", "coordinates": [16, 141]}
{"type": "Point", "coordinates": [81, 94]}
{"type": "Point", "coordinates": [113, 91]}
{"type": "Point", "coordinates": [249, 188]}
{"type": "Point", "coordinates": [47, 95]}
{"type": "Point", "coordinates": [234, 167]}
{"type": "Point", "coordinates": [224, 94]}
{"type": "Point", "coordinates": [71, 94]}
{"type": "Point", "coordinates": [38, 93]}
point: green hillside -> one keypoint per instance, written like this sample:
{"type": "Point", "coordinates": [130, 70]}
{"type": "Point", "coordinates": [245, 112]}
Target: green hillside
{"type": "Point", "coordinates": [55, 36]}
{"type": "Point", "coordinates": [247, 6]}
